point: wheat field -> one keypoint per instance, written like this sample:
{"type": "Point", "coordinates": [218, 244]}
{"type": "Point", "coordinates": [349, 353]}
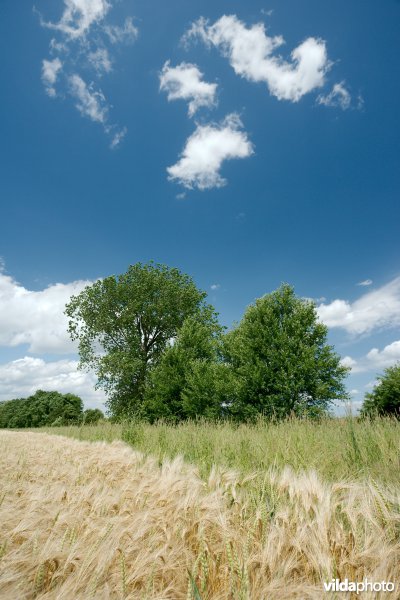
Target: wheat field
{"type": "Point", "coordinates": [83, 520]}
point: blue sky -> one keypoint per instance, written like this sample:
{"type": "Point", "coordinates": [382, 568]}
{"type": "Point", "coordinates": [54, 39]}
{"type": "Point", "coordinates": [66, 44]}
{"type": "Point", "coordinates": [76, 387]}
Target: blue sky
{"type": "Point", "coordinates": [245, 143]}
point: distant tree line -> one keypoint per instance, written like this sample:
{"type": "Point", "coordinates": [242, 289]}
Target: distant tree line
{"type": "Point", "coordinates": [159, 352]}
{"type": "Point", "coordinates": [44, 409]}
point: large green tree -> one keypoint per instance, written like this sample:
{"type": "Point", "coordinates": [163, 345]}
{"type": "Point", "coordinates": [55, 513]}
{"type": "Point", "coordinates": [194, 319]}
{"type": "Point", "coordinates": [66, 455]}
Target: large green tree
{"type": "Point", "coordinates": [385, 397]}
{"type": "Point", "coordinates": [281, 359]}
{"type": "Point", "coordinates": [124, 324]}
{"type": "Point", "coordinates": [190, 380]}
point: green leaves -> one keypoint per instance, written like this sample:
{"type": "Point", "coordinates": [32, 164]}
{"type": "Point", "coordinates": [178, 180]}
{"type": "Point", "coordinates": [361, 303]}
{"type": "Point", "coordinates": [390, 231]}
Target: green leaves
{"type": "Point", "coordinates": [124, 324]}
{"type": "Point", "coordinates": [41, 409]}
{"type": "Point", "coordinates": [280, 357]}
{"type": "Point", "coordinates": [159, 352]}
{"type": "Point", "coordinates": [385, 397]}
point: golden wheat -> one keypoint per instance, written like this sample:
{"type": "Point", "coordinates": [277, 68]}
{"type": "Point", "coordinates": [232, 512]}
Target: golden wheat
{"type": "Point", "coordinates": [98, 520]}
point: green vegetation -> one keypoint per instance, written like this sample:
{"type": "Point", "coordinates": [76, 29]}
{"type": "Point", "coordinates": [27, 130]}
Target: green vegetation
{"type": "Point", "coordinates": [336, 448]}
{"type": "Point", "coordinates": [92, 416]}
{"type": "Point", "coordinates": [46, 409]}
{"type": "Point", "coordinates": [41, 409]}
{"type": "Point", "coordinates": [385, 397]}
{"type": "Point", "coordinates": [125, 323]}
{"type": "Point", "coordinates": [281, 361]}
{"type": "Point", "coordinates": [159, 353]}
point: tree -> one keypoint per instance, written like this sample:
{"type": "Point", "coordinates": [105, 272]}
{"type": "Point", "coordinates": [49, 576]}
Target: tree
{"type": "Point", "coordinates": [385, 397]}
{"type": "Point", "coordinates": [41, 409]}
{"type": "Point", "coordinates": [124, 323]}
{"type": "Point", "coordinates": [190, 379]}
{"type": "Point", "coordinates": [92, 416]}
{"type": "Point", "coordinates": [281, 360]}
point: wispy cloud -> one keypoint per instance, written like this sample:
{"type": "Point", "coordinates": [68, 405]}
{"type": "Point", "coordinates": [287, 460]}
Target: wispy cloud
{"type": "Point", "coordinates": [50, 71]}
{"type": "Point", "coordinates": [365, 283]}
{"type": "Point", "coordinates": [127, 33]}
{"type": "Point", "coordinates": [185, 82]}
{"type": "Point", "coordinates": [79, 16]}
{"type": "Point", "coordinates": [81, 51]}
{"type": "Point", "coordinates": [205, 151]}
{"type": "Point", "coordinates": [100, 59]}
{"type": "Point", "coordinates": [90, 103]}
{"type": "Point", "coordinates": [117, 137]}
{"type": "Point", "coordinates": [250, 53]}
{"type": "Point", "coordinates": [215, 286]}
{"type": "Point", "coordinates": [338, 97]}
{"type": "Point", "coordinates": [377, 309]}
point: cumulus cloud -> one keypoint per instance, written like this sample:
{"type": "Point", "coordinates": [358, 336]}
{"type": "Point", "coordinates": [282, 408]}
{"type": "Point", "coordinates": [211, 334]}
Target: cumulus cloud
{"type": "Point", "coordinates": [349, 362]}
{"type": "Point", "coordinates": [386, 357]}
{"type": "Point", "coordinates": [215, 286]}
{"type": "Point", "coordinates": [36, 318]}
{"type": "Point", "coordinates": [378, 309]}
{"type": "Point", "coordinates": [50, 71]}
{"type": "Point", "coordinates": [338, 97]}
{"type": "Point", "coordinates": [79, 16]}
{"type": "Point", "coordinates": [205, 151]}
{"type": "Point", "coordinates": [185, 82]}
{"type": "Point", "coordinates": [23, 377]}
{"type": "Point", "coordinates": [250, 53]}
{"type": "Point", "coordinates": [375, 360]}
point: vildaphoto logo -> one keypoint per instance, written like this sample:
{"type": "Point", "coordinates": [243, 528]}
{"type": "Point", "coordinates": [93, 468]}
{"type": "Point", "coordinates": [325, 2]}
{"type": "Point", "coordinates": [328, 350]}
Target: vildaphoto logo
{"type": "Point", "coordinates": [336, 585]}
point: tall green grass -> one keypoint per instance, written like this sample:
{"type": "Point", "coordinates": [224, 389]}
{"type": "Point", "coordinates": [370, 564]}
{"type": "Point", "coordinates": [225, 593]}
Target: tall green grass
{"type": "Point", "coordinates": [336, 448]}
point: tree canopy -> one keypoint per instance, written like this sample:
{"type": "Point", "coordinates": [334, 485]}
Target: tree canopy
{"type": "Point", "coordinates": [159, 352]}
{"type": "Point", "coordinates": [125, 323]}
{"type": "Point", "coordinates": [281, 359]}
{"type": "Point", "coordinates": [385, 397]}
{"type": "Point", "coordinates": [41, 409]}
{"type": "Point", "coordinates": [190, 379]}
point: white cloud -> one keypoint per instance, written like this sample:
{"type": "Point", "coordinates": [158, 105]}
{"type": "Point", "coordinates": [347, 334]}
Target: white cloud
{"type": "Point", "coordinates": [347, 361]}
{"type": "Point", "coordinates": [215, 286]}
{"type": "Point", "coordinates": [365, 283]}
{"type": "Point", "coordinates": [384, 358]}
{"type": "Point", "coordinates": [50, 71]}
{"type": "Point", "coordinates": [205, 151]}
{"type": "Point", "coordinates": [81, 40]}
{"type": "Point", "coordinates": [21, 378]}
{"type": "Point", "coordinates": [92, 104]}
{"type": "Point", "coordinates": [185, 82]}
{"type": "Point", "coordinates": [36, 318]}
{"type": "Point", "coordinates": [89, 103]}
{"type": "Point", "coordinates": [57, 46]}
{"type": "Point", "coordinates": [117, 137]}
{"type": "Point", "coordinates": [377, 309]}
{"type": "Point", "coordinates": [371, 384]}
{"type": "Point", "coordinates": [337, 97]}
{"type": "Point", "coordinates": [100, 60]}
{"type": "Point", "coordinates": [250, 53]}
{"type": "Point", "coordinates": [79, 16]}
{"type": "Point", "coordinates": [375, 360]}
{"type": "Point", "coordinates": [128, 33]}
